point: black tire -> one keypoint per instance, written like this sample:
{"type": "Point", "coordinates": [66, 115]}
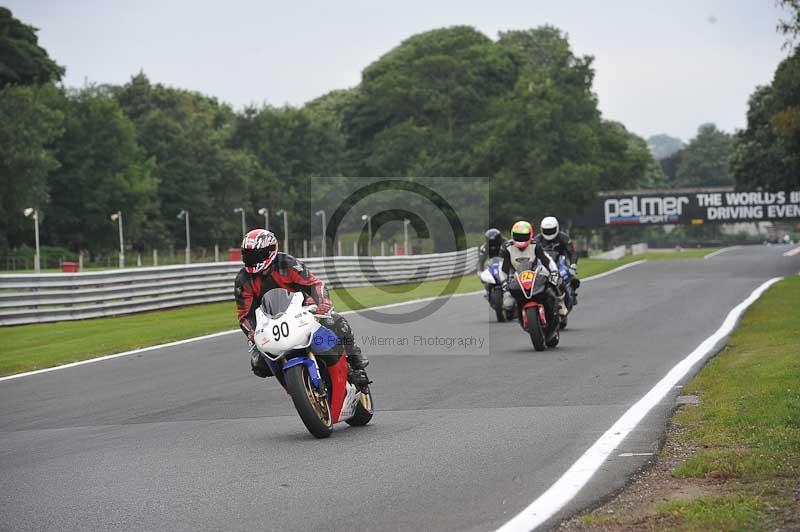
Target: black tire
{"type": "Point", "coordinates": [511, 314]}
{"type": "Point", "coordinates": [363, 413]}
{"type": "Point", "coordinates": [552, 342]}
{"type": "Point", "coordinates": [535, 329]}
{"type": "Point", "coordinates": [563, 324]}
{"type": "Point", "coordinates": [299, 384]}
{"type": "Point", "coordinates": [497, 295]}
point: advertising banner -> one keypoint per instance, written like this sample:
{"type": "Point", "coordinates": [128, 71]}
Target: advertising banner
{"type": "Point", "coordinates": [694, 207]}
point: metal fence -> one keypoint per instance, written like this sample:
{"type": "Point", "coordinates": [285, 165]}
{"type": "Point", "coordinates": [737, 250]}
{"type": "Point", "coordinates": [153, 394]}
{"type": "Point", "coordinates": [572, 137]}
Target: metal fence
{"type": "Point", "coordinates": [49, 297]}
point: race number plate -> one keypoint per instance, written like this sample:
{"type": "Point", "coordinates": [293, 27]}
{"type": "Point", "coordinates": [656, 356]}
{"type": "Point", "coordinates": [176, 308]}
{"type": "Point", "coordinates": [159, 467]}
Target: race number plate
{"type": "Point", "coordinates": [526, 276]}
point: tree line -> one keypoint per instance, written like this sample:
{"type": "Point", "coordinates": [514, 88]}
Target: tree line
{"type": "Point", "coordinates": [449, 102]}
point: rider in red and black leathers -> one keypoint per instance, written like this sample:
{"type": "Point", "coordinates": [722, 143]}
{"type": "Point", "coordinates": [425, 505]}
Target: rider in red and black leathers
{"type": "Point", "coordinates": [285, 271]}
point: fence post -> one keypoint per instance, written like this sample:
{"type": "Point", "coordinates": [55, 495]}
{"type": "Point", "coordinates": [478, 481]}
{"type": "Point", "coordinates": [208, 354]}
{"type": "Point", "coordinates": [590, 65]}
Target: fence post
{"type": "Point", "coordinates": [80, 260]}
{"type": "Point", "coordinates": [355, 249]}
{"type": "Point", "coordinates": [138, 260]}
{"type": "Point", "coordinates": [340, 248]}
{"type": "Point", "coordinates": [383, 249]}
{"type": "Point", "coordinates": [216, 252]}
{"type": "Point", "coordinates": [155, 257]}
{"type": "Point", "coordinates": [305, 248]}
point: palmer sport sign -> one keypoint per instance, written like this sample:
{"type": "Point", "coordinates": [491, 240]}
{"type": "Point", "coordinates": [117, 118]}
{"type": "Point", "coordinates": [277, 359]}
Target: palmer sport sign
{"type": "Point", "coordinates": [695, 206]}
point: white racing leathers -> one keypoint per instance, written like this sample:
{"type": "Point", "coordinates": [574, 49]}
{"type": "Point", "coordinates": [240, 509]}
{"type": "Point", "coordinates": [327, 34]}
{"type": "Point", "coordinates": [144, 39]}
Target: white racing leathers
{"type": "Point", "coordinates": [520, 260]}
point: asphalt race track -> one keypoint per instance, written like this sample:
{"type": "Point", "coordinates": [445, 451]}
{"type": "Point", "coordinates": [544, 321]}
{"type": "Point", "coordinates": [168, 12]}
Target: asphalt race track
{"type": "Point", "coordinates": [466, 434]}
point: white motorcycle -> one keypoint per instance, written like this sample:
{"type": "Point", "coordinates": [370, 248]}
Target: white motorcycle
{"type": "Point", "coordinates": [307, 359]}
{"type": "Point", "coordinates": [505, 307]}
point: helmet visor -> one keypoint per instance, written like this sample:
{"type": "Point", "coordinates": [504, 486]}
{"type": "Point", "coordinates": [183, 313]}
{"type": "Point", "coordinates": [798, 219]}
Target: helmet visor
{"type": "Point", "coordinates": [549, 231]}
{"type": "Point", "coordinates": [252, 257]}
{"type": "Point", "coordinates": [521, 237]}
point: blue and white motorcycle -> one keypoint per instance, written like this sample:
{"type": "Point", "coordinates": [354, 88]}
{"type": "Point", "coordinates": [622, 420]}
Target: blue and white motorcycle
{"type": "Point", "coordinates": [569, 284]}
{"type": "Point", "coordinates": [505, 309]}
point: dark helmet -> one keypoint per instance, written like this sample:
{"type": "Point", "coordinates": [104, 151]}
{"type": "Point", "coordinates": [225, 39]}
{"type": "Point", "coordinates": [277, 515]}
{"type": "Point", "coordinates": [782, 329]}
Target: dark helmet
{"type": "Point", "coordinates": [494, 239]}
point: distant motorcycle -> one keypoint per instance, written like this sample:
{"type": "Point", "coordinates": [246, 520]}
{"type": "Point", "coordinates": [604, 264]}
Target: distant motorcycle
{"type": "Point", "coordinates": [494, 291]}
{"type": "Point", "coordinates": [539, 300]}
{"type": "Point", "coordinates": [323, 387]}
{"type": "Point", "coordinates": [569, 284]}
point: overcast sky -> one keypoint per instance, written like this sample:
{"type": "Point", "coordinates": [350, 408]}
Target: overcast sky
{"type": "Point", "coordinates": [661, 67]}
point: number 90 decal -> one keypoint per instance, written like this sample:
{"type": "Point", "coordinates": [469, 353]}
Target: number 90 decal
{"type": "Point", "coordinates": [280, 331]}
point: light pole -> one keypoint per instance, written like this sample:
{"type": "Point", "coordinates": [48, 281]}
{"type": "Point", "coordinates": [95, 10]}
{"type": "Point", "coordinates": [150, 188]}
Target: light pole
{"type": "Point", "coordinates": [185, 215]}
{"type": "Point", "coordinates": [368, 218]}
{"type": "Point", "coordinates": [118, 216]}
{"type": "Point", "coordinates": [285, 229]}
{"type": "Point", "coordinates": [244, 228]}
{"type": "Point", "coordinates": [405, 236]}
{"type": "Point", "coordinates": [324, 229]}
{"type": "Point", "coordinates": [265, 212]}
{"type": "Point", "coordinates": [36, 258]}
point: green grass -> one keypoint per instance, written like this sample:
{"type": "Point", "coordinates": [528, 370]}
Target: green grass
{"type": "Point", "coordinates": [22, 348]}
{"type": "Point", "coordinates": [748, 423]}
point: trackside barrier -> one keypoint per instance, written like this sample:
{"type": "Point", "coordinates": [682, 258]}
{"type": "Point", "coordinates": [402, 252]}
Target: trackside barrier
{"type": "Point", "coordinates": [639, 249]}
{"type": "Point", "coordinates": [616, 253]}
{"type": "Point", "coordinates": [50, 297]}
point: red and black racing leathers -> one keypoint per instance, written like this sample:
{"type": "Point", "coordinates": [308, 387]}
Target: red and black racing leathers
{"type": "Point", "coordinates": [289, 273]}
{"type": "Point", "coordinates": [284, 272]}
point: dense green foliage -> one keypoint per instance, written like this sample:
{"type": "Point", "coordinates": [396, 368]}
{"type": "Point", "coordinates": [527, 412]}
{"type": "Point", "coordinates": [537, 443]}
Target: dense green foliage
{"type": "Point", "coordinates": [767, 152]}
{"type": "Point", "coordinates": [22, 60]}
{"type": "Point", "coordinates": [449, 102]}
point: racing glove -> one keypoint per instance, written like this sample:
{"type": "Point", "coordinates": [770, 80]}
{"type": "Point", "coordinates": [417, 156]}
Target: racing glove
{"type": "Point", "coordinates": [324, 307]}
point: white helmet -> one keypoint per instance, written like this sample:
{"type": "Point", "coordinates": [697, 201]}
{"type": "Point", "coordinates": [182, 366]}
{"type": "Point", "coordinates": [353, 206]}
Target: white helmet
{"type": "Point", "coordinates": [549, 227]}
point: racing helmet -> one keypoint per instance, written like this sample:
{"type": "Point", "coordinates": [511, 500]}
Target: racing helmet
{"type": "Point", "coordinates": [259, 248]}
{"type": "Point", "coordinates": [494, 240]}
{"type": "Point", "coordinates": [522, 234]}
{"type": "Point", "coordinates": [549, 227]}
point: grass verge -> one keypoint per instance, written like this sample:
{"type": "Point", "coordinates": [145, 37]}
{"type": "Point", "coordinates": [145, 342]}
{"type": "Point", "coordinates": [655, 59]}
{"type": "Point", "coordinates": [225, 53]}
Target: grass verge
{"type": "Point", "coordinates": [731, 462]}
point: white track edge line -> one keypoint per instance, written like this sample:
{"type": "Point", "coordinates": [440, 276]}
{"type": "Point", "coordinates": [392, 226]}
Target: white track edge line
{"type": "Point", "coordinates": [792, 252]}
{"type": "Point", "coordinates": [215, 335]}
{"type": "Point", "coordinates": [579, 474]}
{"type": "Point", "coordinates": [615, 270]}
{"type": "Point", "coordinates": [720, 251]}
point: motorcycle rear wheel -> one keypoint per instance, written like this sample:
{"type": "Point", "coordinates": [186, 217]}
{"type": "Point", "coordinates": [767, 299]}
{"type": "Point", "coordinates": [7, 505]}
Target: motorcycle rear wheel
{"type": "Point", "coordinates": [314, 409]}
{"type": "Point", "coordinates": [535, 329]}
{"type": "Point", "coordinates": [363, 412]}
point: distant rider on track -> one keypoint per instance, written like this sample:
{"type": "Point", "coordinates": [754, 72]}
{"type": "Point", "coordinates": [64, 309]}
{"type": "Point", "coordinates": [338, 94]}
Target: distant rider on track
{"type": "Point", "coordinates": [264, 269]}
{"type": "Point", "coordinates": [557, 243]}
{"type": "Point", "coordinates": [491, 247]}
{"type": "Point", "coordinates": [520, 254]}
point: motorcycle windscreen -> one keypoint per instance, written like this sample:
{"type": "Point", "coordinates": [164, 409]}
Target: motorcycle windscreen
{"type": "Point", "coordinates": [275, 302]}
{"type": "Point", "coordinates": [540, 283]}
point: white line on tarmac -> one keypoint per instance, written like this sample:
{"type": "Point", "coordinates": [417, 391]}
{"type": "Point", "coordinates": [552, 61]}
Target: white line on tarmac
{"type": "Point", "coordinates": [628, 455]}
{"type": "Point", "coordinates": [615, 270]}
{"type": "Point", "coordinates": [792, 252]}
{"type": "Point", "coordinates": [720, 251]}
{"type": "Point", "coordinates": [223, 333]}
{"type": "Point", "coordinates": [579, 474]}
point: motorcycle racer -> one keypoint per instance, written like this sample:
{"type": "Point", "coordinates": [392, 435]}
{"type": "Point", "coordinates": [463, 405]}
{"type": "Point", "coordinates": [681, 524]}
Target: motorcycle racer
{"type": "Point", "coordinates": [492, 247]}
{"type": "Point", "coordinates": [521, 253]}
{"type": "Point", "coordinates": [264, 269]}
{"type": "Point", "coordinates": [557, 243]}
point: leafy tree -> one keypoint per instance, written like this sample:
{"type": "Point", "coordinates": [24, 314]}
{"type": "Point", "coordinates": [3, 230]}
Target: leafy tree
{"type": "Point", "coordinates": [705, 162]}
{"type": "Point", "coordinates": [102, 170]}
{"type": "Point", "coordinates": [767, 152]}
{"type": "Point", "coordinates": [31, 121]}
{"type": "Point", "coordinates": [22, 60]}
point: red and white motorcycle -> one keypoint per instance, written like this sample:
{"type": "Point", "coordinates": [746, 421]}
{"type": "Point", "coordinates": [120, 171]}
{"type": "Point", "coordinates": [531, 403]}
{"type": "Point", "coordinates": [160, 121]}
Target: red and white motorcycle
{"type": "Point", "coordinates": [308, 360]}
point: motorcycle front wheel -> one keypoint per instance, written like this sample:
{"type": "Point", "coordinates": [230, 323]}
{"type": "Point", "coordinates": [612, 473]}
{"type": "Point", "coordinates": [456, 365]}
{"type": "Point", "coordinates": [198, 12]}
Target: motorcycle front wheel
{"type": "Point", "coordinates": [363, 412]}
{"type": "Point", "coordinates": [497, 296]}
{"type": "Point", "coordinates": [535, 329]}
{"type": "Point", "coordinates": [313, 408]}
